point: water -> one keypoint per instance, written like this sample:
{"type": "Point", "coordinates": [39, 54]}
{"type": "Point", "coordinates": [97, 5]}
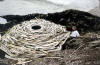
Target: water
{"type": "Point", "coordinates": [24, 7]}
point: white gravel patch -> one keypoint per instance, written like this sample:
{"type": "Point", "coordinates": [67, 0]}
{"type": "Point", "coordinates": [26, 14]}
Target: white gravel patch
{"type": "Point", "coordinates": [3, 21]}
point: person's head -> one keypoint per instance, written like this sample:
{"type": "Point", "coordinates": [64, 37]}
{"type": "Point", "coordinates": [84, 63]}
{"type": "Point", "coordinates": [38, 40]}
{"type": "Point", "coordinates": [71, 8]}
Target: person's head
{"type": "Point", "coordinates": [74, 28]}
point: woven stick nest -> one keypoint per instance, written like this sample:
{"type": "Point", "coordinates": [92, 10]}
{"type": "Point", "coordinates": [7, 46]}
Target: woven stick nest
{"type": "Point", "coordinates": [24, 43]}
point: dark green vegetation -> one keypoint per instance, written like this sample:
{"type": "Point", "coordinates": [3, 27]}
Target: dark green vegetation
{"type": "Point", "coordinates": [85, 22]}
